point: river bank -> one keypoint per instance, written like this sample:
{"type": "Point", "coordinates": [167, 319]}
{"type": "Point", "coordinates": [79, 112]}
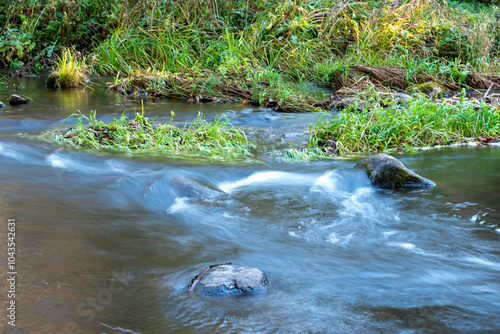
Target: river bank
{"type": "Point", "coordinates": [269, 54]}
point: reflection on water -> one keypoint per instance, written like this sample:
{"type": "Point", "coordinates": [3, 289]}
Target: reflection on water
{"type": "Point", "coordinates": [107, 244]}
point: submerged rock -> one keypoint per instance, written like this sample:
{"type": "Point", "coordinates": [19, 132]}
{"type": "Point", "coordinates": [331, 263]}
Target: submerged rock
{"type": "Point", "coordinates": [190, 188]}
{"type": "Point", "coordinates": [18, 99]}
{"type": "Point", "coordinates": [431, 89]}
{"type": "Point", "coordinates": [388, 172]}
{"type": "Point", "coordinates": [229, 280]}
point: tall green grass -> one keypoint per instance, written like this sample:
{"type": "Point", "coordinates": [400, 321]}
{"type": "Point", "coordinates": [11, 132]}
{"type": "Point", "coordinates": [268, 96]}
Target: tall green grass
{"type": "Point", "coordinates": [69, 71]}
{"type": "Point", "coordinates": [419, 123]}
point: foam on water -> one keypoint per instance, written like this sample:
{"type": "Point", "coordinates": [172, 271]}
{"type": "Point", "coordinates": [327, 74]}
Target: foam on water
{"type": "Point", "coordinates": [387, 234]}
{"type": "Point", "coordinates": [343, 240]}
{"type": "Point", "coordinates": [267, 178]}
{"type": "Point", "coordinates": [340, 182]}
{"type": "Point", "coordinates": [473, 259]}
{"type": "Point", "coordinates": [405, 245]}
{"type": "Point", "coordinates": [64, 161]}
{"type": "Point", "coordinates": [59, 160]}
{"type": "Point", "coordinates": [8, 152]}
{"type": "Point", "coordinates": [409, 247]}
{"type": "Point", "coordinates": [180, 204]}
{"type": "Point", "coordinates": [115, 166]}
{"type": "Point", "coordinates": [359, 203]}
{"type": "Point", "coordinates": [120, 329]}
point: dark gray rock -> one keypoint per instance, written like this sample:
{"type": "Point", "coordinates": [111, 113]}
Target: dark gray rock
{"type": "Point", "coordinates": [388, 172]}
{"type": "Point", "coordinates": [190, 188]}
{"type": "Point", "coordinates": [229, 280]}
{"type": "Point", "coordinates": [2, 104]}
{"type": "Point", "coordinates": [18, 99]}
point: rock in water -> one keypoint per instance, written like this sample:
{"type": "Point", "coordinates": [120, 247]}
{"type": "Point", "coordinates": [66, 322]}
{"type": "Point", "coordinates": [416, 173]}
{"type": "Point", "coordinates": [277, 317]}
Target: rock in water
{"type": "Point", "coordinates": [229, 280]}
{"type": "Point", "coordinates": [52, 80]}
{"type": "Point", "coordinates": [191, 188]}
{"type": "Point", "coordinates": [18, 99]}
{"type": "Point", "coordinates": [388, 172]}
{"type": "Point", "coordinates": [2, 104]}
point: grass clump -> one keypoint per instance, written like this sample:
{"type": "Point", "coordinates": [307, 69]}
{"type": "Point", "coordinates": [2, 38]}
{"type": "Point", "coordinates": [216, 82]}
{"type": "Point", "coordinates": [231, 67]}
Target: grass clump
{"type": "Point", "coordinates": [216, 140]}
{"type": "Point", "coordinates": [419, 123]}
{"type": "Point", "coordinates": [69, 71]}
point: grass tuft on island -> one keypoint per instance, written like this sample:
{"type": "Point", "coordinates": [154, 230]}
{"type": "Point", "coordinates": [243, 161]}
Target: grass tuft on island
{"type": "Point", "coordinates": [69, 71]}
{"type": "Point", "coordinates": [415, 124]}
{"type": "Point", "coordinates": [218, 140]}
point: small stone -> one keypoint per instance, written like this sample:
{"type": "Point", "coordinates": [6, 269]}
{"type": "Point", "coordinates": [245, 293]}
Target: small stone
{"type": "Point", "coordinates": [388, 172]}
{"type": "Point", "coordinates": [229, 280]}
{"type": "Point", "coordinates": [18, 99]}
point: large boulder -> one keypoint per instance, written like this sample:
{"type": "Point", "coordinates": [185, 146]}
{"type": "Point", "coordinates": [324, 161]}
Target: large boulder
{"type": "Point", "coordinates": [18, 99]}
{"type": "Point", "coordinates": [229, 280]}
{"type": "Point", "coordinates": [388, 172]}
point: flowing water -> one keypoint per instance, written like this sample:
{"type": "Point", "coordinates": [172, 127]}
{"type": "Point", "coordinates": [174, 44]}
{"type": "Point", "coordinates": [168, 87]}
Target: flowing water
{"type": "Point", "coordinates": [105, 244]}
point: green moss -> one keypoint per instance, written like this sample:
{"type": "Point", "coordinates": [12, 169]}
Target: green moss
{"type": "Point", "coordinates": [433, 89]}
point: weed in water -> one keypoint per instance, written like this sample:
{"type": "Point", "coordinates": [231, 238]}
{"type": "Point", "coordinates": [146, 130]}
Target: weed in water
{"type": "Point", "coordinates": [216, 140]}
{"type": "Point", "coordinates": [419, 123]}
{"type": "Point", "coordinates": [68, 71]}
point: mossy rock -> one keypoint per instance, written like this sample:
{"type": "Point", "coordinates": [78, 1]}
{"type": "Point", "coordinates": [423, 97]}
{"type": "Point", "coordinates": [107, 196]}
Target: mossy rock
{"type": "Point", "coordinates": [55, 80]}
{"type": "Point", "coordinates": [52, 80]}
{"type": "Point", "coordinates": [385, 171]}
{"type": "Point", "coordinates": [431, 89]}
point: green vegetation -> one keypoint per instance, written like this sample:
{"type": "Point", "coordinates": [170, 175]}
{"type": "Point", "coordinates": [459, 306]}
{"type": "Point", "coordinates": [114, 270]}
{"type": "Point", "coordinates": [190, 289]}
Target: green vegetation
{"type": "Point", "coordinates": [216, 140]}
{"type": "Point", "coordinates": [68, 71]}
{"type": "Point", "coordinates": [266, 52]}
{"type": "Point", "coordinates": [418, 123]}
{"type": "Point", "coordinates": [266, 49]}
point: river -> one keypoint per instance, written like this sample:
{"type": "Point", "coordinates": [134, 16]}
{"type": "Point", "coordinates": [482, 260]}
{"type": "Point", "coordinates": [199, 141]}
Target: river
{"type": "Point", "coordinates": [104, 244]}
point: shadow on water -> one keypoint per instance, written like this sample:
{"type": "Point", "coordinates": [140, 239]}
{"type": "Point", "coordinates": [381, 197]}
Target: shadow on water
{"type": "Point", "coordinates": [108, 243]}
